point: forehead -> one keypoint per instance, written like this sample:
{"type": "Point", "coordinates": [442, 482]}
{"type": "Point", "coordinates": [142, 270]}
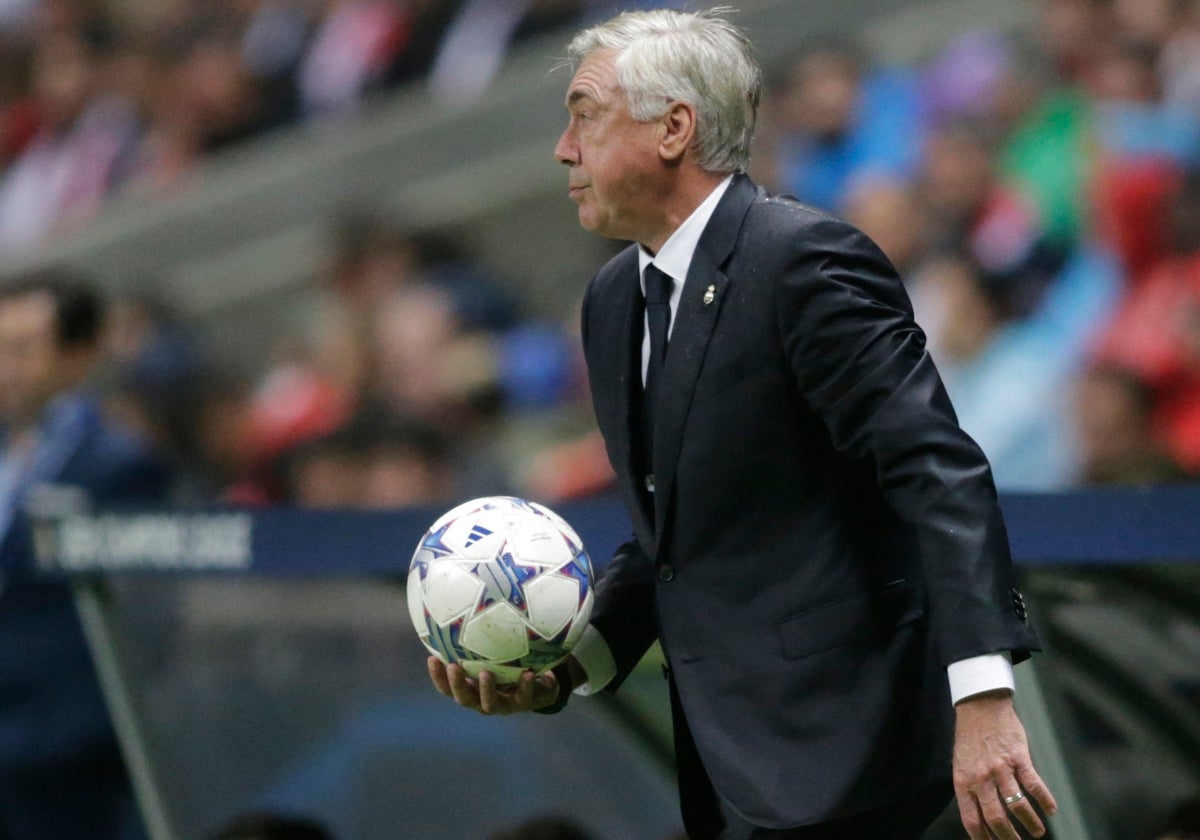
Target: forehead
{"type": "Point", "coordinates": [595, 79]}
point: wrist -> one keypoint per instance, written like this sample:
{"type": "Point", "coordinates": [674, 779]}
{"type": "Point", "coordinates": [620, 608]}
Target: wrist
{"type": "Point", "coordinates": [985, 700]}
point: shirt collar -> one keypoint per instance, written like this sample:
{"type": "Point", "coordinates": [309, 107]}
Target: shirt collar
{"type": "Point", "coordinates": [675, 256]}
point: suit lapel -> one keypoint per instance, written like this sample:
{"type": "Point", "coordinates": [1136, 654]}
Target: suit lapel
{"type": "Point", "coordinates": [696, 318]}
{"type": "Point", "coordinates": [620, 346]}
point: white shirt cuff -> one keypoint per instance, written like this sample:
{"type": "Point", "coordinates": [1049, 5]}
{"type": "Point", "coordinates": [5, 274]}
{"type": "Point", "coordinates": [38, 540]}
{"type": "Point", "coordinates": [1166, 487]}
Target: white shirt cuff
{"type": "Point", "coordinates": [595, 657]}
{"type": "Point", "coordinates": [978, 674]}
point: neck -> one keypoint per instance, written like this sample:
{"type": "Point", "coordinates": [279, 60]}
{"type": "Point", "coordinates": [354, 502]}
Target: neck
{"type": "Point", "coordinates": [692, 186]}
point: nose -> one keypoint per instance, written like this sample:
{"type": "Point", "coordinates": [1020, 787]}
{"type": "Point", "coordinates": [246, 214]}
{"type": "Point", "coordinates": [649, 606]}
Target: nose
{"type": "Point", "coordinates": [566, 151]}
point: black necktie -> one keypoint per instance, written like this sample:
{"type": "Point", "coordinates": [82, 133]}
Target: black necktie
{"type": "Point", "coordinates": [658, 319]}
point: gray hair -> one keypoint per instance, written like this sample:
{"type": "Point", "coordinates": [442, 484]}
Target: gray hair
{"type": "Point", "coordinates": [664, 56]}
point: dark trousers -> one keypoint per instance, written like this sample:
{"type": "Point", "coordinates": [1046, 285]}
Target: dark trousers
{"type": "Point", "coordinates": [905, 819]}
{"type": "Point", "coordinates": [707, 817]}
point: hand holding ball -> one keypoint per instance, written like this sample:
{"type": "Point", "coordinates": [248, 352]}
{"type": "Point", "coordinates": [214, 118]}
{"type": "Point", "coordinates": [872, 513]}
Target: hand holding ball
{"type": "Point", "coordinates": [500, 584]}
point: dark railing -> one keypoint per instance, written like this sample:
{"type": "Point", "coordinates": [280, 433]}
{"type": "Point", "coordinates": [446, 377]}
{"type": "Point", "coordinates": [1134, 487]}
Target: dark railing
{"type": "Point", "coordinates": [1134, 554]}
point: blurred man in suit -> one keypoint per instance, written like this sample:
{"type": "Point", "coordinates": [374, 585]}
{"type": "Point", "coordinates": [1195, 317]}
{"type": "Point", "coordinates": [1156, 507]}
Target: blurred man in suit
{"type": "Point", "coordinates": [61, 773]}
{"type": "Point", "coordinates": [817, 544]}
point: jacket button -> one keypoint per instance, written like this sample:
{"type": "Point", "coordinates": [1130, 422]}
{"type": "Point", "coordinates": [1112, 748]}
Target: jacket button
{"type": "Point", "coordinates": [666, 573]}
{"type": "Point", "coordinates": [1018, 602]}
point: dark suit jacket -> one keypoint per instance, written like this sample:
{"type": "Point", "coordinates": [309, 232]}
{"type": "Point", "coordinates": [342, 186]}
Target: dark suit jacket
{"type": "Point", "coordinates": [51, 708]}
{"type": "Point", "coordinates": [824, 538]}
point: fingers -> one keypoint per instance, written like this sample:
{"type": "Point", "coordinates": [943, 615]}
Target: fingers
{"type": "Point", "coordinates": [437, 673]}
{"type": "Point", "coordinates": [1033, 785]}
{"type": "Point", "coordinates": [505, 699]}
{"type": "Point", "coordinates": [486, 694]}
{"type": "Point", "coordinates": [463, 689]}
{"type": "Point", "coordinates": [991, 765]}
{"type": "Point", "coordinates": [988, 810]}
{"type": "Point", "coordinates": [968, 812]}
{"type": "Point", "coordinates": [995, 815]}
{"type": "Point", "coordinates": [1022, 809]}
{"type": "Point", "coordinates": [1032, 789]}
{"type": "Point", "coordinates": [523, 697]}
{"type": "Point", "coordinates": [488, 701]}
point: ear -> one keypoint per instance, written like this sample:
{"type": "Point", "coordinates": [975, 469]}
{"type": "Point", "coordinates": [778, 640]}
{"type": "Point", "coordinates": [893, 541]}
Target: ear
{"type": "Point", "coordinates": [678, 130]}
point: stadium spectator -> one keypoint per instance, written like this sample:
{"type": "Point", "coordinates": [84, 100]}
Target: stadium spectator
{"type": "Point", "coordinates": [572, 469]}
{"type": "Point", "coordinates": [968, 78]}
{"type": "Point", "coordinates": [427, 365]}
{"type": "Point", "coordinates": [1010, 377]}
{"type": "Point", "coordinates": [210, 91]}
{"type": "Point", "coordinates": [1179, 61]}
{"type": "Point", "coordinates": [891, 212]}
{"type": "Point", "coordinates": [61, 773]}
{"type": "Point", "coordinates": [106, 98]}
{"type": "Point", "coordinates": [327, 471]}
{"type": "Point", "coordinates": [1073, 32]}
{"type": "Point", "coordinates": [428, 22]}
{"type": "Point", "coordinates": [378, 459]}
{"type": "Point", "coordinates": [409, 464]}
{"type": "Point", "coordinates": [989, 362]}
{"type": "Point", "coordinates": [370, 261]}
{"type": "Point", "coordinates": [838, 119]}
{"type": "Point", "coordinates": [292, 404]}
{"type": "Point", "coordinates": [1022, 144]}
{"type": "Point", "coordinates": [349, 53]}
{"type": "Point", "coordinates": [1112, 413]}
{"type": "Point", "coordinates": [431, 368]}
{"type": "Point", "coordinates": [1132, 199]}
{"type": "Point", "coordinates": [64, 172]}
{"type": "Point", "coordinates": [1047, 147]}
{"type": "Point", "coordinates": [157, 380]}
{"type": "Point", "coordinates": [18, 109]}
{"type": "Point", "coordinates": [1156, 331]}
{"type": "Point", "coordinates": [479, 37]}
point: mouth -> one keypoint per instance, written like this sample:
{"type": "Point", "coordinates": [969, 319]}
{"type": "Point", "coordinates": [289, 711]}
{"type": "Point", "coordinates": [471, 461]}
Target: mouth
{"type": "Point", "coordinates": [574, 190]}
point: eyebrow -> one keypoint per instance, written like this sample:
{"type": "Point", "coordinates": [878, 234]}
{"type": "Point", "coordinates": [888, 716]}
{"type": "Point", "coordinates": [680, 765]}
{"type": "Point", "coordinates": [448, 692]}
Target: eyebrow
{"type": "Point", "coordinates": [577, 95]}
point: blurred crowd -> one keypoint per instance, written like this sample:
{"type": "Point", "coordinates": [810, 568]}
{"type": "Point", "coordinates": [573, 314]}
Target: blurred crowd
{"type": "Point", "coordinates": [107, 97]}
{"type": "Point", "coordinates": [1040, 195]}
{"type": "Point", "coordinates": [1039, 192]}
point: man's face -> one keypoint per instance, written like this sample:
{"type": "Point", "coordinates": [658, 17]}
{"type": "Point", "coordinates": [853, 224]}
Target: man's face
{"type": "Point", "coordinates": [614, 161]}
{"type": "Point", "coordinates": [31, 360]}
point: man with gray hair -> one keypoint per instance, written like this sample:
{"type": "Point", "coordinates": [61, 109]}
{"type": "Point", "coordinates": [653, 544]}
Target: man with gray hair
{"type": "Point", "coordinates": [817, 544]}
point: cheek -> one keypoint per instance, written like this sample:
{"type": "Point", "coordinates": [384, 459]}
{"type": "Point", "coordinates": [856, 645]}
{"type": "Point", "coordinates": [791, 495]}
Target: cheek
{"type": "Point", "coordinates": [615, 174]}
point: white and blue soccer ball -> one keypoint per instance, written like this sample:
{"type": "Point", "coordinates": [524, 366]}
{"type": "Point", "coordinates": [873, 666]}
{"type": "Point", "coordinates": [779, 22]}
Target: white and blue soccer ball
{"type": "Point", "coordinates": [501, 584]}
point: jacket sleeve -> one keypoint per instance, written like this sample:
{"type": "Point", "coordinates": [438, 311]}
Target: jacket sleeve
{"type": "Point", "coordinates": [860, 361]}
{"type": "Point", "coordinates": [624, 608]}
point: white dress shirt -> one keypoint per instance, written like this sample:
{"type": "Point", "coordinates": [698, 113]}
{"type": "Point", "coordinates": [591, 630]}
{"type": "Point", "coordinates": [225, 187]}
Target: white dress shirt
{"type": "Point", "coordinates": [968, 677]}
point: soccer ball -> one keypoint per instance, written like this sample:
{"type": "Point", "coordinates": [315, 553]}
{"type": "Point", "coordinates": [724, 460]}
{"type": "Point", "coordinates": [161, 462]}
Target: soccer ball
{"type": "Point", "coordinates": [501, 584]}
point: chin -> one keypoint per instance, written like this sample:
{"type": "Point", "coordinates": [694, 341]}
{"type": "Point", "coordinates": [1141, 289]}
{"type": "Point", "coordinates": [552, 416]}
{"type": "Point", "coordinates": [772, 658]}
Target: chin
{"type": "Point", "coordinates": [601, 225]}
{"type": "Point", "coordinates": [589, 222]}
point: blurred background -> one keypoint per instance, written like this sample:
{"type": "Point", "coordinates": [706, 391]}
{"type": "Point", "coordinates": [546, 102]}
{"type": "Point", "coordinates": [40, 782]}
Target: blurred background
{"type": "Point", "coordinates": [340, 272]}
